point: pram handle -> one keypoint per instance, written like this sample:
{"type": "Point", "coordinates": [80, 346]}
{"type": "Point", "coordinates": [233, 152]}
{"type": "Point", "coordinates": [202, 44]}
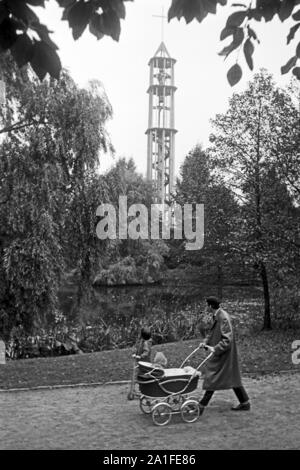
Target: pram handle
{"type": "Point", "coordinates": [193, 352]}
{"type": "Point", "coordinates": [205, 360]}
{"type": "Point", "coordinates": [201, 345]}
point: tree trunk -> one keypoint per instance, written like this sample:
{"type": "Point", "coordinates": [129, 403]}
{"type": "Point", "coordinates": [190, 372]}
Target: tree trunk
{"type": "Point", "coordinates": [267, 313]}
{"type": "Point", "coordinates": [260, 245]}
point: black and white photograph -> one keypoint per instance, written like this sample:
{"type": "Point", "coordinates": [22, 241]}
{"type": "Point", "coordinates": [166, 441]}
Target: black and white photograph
{"type": "Point", "coordinates": [149, 228]}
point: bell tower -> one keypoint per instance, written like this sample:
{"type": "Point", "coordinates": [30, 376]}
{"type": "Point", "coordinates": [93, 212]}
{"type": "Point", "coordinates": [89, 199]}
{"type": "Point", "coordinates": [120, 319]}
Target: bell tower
{"type": "Point", "coordinates": [161, 124]}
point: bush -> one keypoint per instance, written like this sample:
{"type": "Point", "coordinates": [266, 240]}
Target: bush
{"type": "Point", "coordinates": [108, 329]}
{"type": "Point", "coordinates": [286, 307]}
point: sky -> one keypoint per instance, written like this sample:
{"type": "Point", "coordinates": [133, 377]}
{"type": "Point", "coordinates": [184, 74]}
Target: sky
{"type": "Point", "coordinates": [200, 73]}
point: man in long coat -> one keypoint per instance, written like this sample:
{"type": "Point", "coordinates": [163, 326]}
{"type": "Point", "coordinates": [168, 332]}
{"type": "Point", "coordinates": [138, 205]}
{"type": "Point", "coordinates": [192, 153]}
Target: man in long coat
{"type": "Point", "coordinates": [222, 370]}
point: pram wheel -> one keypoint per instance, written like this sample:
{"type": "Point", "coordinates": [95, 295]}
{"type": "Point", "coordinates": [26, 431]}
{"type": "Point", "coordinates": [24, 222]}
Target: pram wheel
{"type": "Point", "coordinates": [161, 414]}
{"type": "Point", "coordinates": [175, 401]}
{"type": "Point", "coordinates": [190, 411]}
{"type": "Point", "coordinates": [145, 404]}
{"type": "Point", "coordinates": [191, 397]}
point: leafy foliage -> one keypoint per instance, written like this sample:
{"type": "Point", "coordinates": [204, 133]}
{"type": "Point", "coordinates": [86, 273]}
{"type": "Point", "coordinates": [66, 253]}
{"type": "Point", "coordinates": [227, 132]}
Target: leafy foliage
{"type": "Point", "coordinates": [287, 142]}
{"type": "Point", "coordinates": [198, 185]}
{"type": "Point", "coordinates": [145, 269]}
{"type": "Point", "coordinates": [49, 191]}
{"type": "Point", "coordinates": [19, 25]}
{"type": "Point", "coordinates": [239, 26]}
{"type": "Point", "coordinates": [245, 149]}
{"type": "Point", "coordinates": [131, 261]}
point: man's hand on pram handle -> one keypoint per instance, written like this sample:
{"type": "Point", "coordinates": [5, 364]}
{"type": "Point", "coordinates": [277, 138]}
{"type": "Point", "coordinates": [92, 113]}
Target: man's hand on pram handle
{"type": "Point", "coordinates": [211, 349]}
{"type": "Point", "coordinates": [135, 356]}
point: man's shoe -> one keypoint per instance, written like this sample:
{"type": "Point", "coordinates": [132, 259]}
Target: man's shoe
{"type": "Point", "coordinates": [242, 407]}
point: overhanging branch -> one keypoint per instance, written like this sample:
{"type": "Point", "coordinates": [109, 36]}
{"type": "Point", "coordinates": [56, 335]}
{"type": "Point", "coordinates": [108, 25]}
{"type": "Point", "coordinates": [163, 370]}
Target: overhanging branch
{"type": "Point", "coordinates": [20, 125]}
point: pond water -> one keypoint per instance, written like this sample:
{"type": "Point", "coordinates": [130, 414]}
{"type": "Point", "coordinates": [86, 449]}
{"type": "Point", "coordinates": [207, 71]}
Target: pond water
{"type": "Point", "coordinates": [111, 317]}
{"type": "Point", "coordinates": [179, 289]}
{"type": "Point", "coordinates": [122, 303]}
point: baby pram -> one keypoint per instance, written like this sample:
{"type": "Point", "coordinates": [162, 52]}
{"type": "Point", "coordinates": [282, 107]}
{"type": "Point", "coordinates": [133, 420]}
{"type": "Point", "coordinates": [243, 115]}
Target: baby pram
{"type": "Point", "coordinates": [165, 392]}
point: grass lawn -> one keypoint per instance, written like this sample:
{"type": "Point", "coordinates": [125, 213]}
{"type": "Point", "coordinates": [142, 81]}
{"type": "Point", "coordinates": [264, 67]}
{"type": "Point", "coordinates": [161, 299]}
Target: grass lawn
{"type": "Point", "coordinates": [261, 353]}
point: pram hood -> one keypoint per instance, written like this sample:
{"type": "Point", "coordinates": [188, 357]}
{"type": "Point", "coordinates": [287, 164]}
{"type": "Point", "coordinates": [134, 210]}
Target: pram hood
{"type": "Point", "coordinates": [147, 368]}
{"type": "Point", "coordinates": [157, 382]}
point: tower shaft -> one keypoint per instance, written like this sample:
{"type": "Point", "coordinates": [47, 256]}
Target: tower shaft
{"type": "Point", "coordinates": [161, 124]}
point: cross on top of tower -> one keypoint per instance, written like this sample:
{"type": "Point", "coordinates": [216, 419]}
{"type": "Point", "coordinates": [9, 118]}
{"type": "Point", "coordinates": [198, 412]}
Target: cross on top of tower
{"type": "Point", "coordinates": [163, 17]}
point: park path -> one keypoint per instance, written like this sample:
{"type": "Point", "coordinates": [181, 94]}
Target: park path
{"type": "Point", "coordinates": [102, 418]}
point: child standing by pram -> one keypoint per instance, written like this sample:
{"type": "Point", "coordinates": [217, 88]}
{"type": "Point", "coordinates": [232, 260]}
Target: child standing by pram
{"type": "Point", "coordinates": [143, 347]}
{"type": "Point", "coordinates": [142, 353]}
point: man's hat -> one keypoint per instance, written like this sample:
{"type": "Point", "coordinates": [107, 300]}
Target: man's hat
{"type": "Point", "coordinates": [213, 301]}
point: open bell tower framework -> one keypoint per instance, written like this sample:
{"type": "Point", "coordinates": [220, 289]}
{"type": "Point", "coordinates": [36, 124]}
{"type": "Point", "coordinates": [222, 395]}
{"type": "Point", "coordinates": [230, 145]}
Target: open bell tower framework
{"type": "Point", "coordinates": [161, 124]}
